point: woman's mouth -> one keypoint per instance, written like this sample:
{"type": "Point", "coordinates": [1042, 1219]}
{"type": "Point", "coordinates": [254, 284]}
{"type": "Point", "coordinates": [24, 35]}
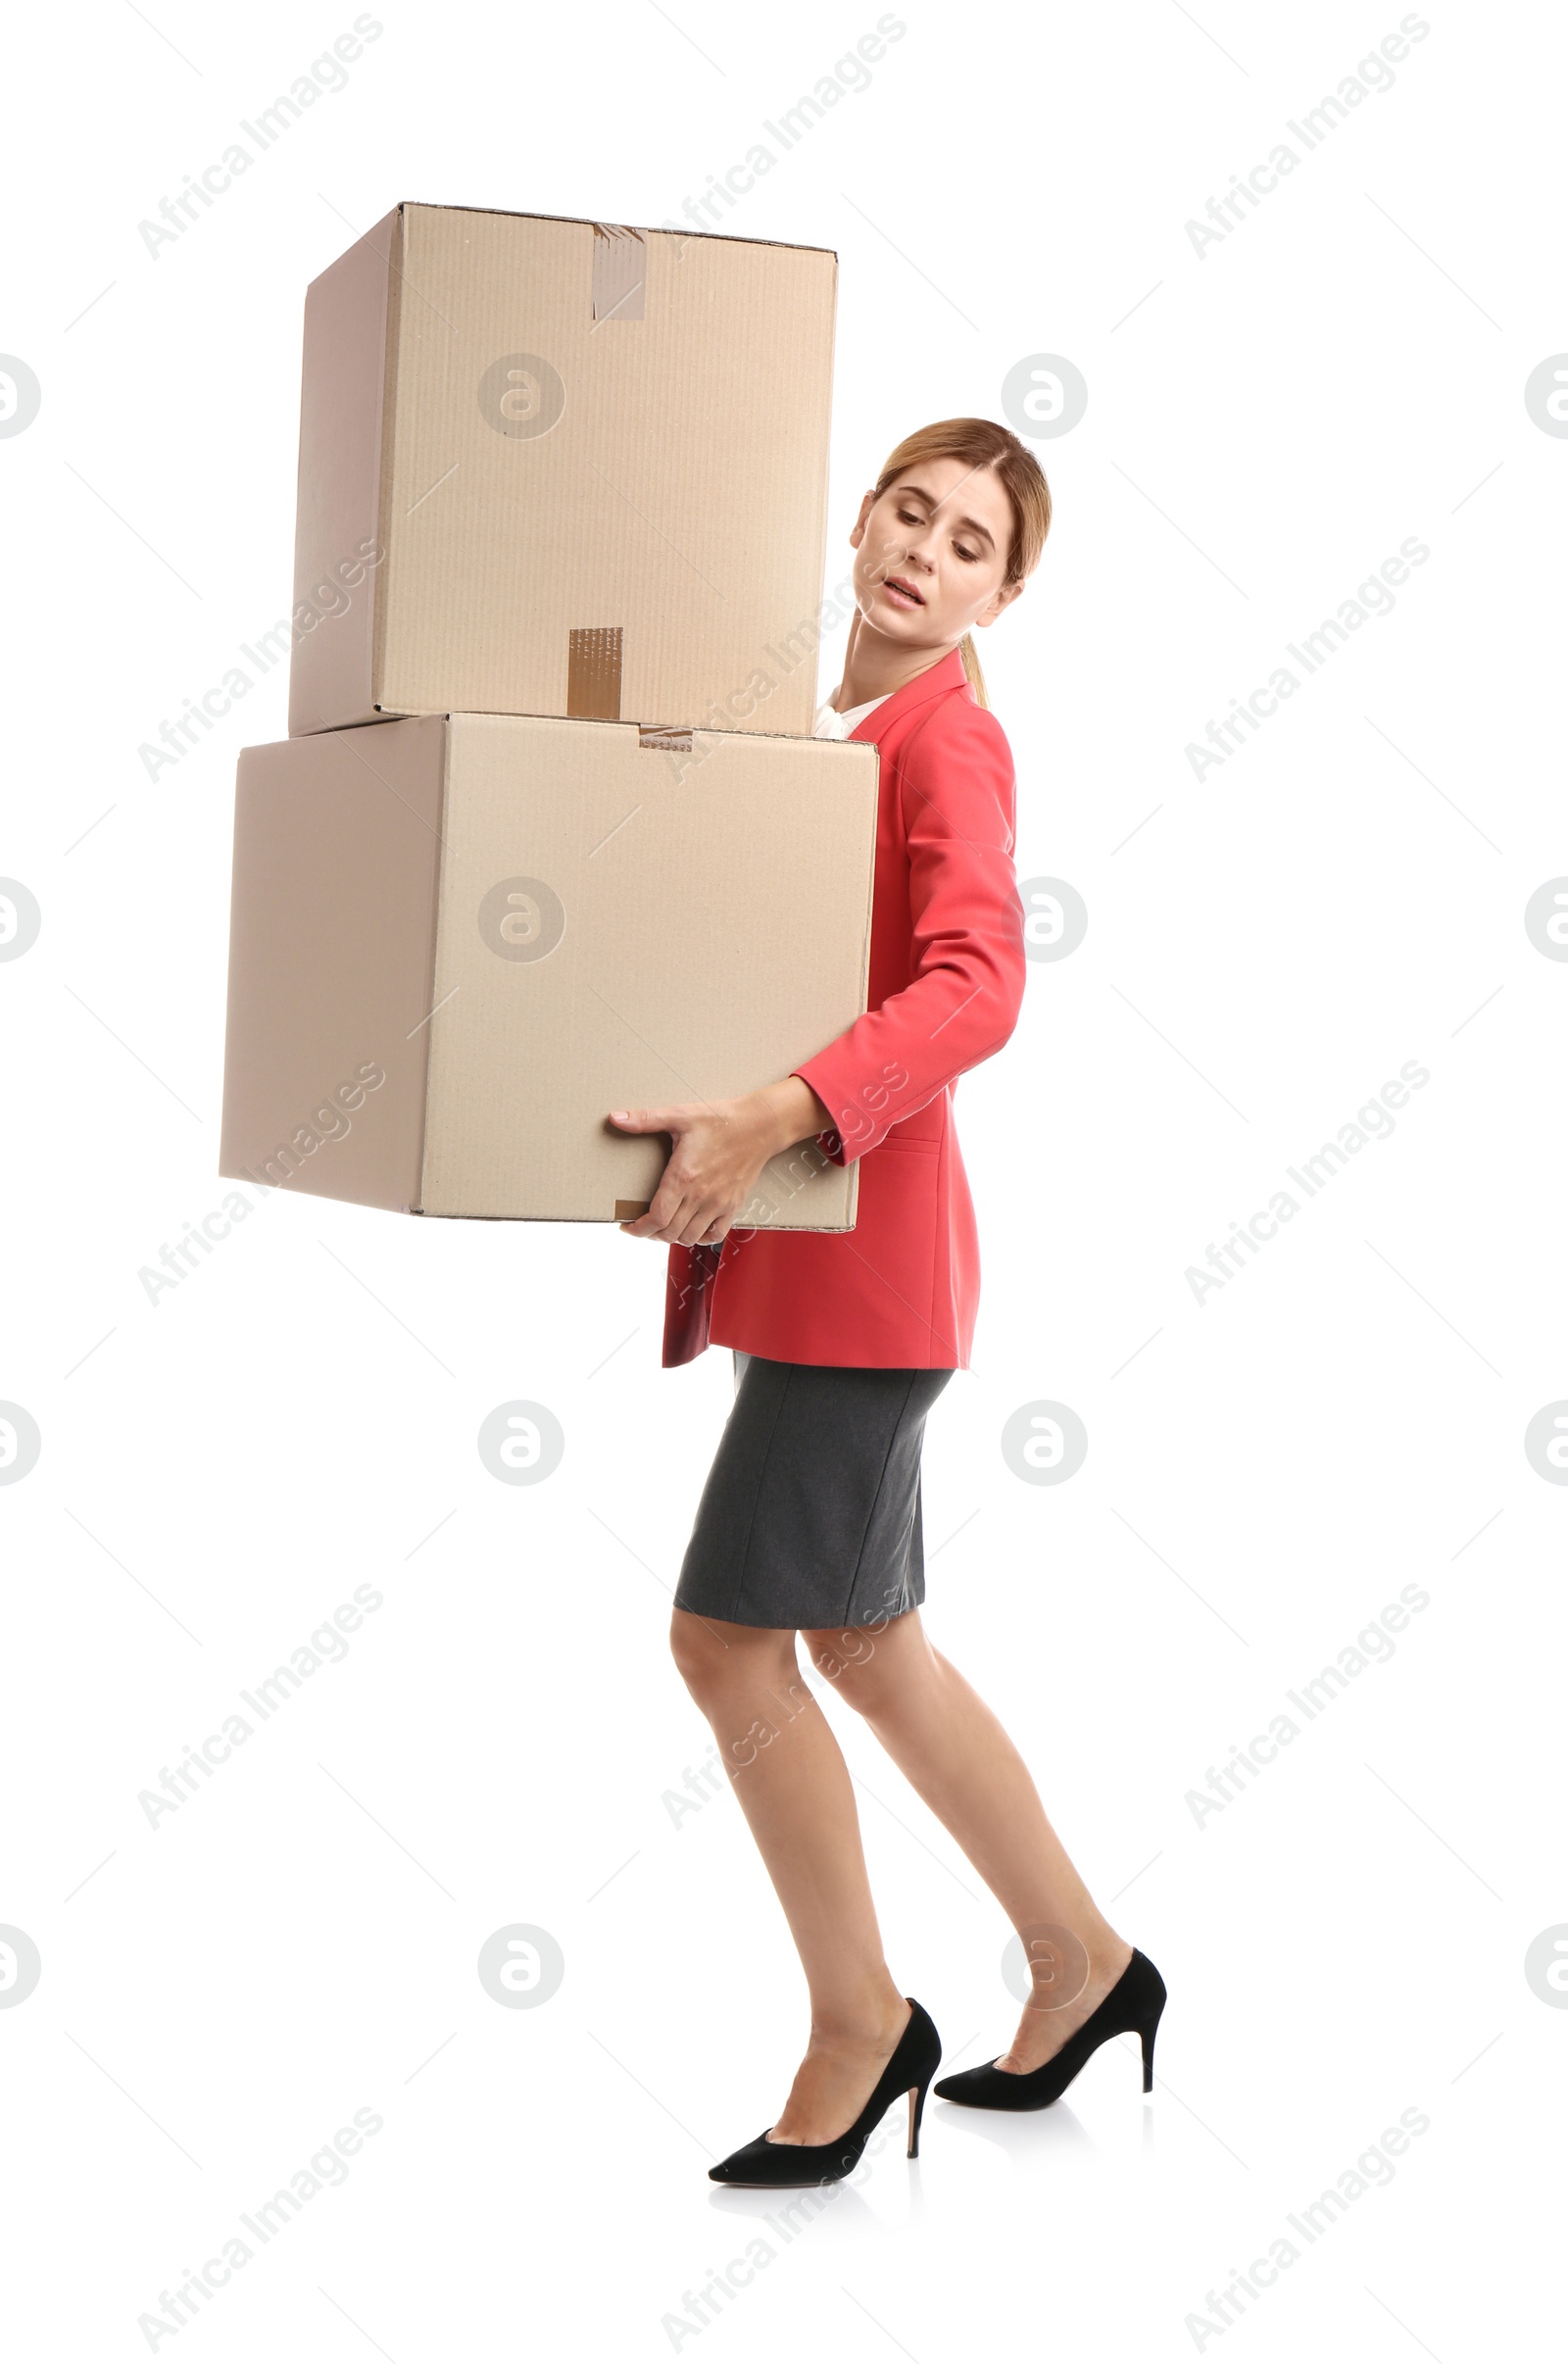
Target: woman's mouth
{"type": "Point", "coordinates": [903, 593]}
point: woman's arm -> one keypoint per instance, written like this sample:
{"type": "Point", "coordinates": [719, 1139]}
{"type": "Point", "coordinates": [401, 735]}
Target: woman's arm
{"type": "Point", "coordinates": [963, 1003]}
{"type": "Point", "coordinates": [967, 949]}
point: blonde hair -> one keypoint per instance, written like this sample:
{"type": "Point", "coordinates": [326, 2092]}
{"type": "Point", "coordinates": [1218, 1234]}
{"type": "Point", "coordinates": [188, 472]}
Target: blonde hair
{"type": "Point", "coordinates": [982, 443]}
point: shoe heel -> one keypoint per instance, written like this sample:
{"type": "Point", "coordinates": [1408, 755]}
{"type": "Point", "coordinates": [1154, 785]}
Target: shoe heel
{"type": "Point", "coordinates": [1146, 2035]}
{"type": "Point", "coordinates": [917, 2093]}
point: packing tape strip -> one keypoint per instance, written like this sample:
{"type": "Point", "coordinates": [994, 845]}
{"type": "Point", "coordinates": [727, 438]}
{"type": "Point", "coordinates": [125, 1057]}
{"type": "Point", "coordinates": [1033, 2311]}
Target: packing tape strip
{"type": "Point", "coordinates": [620, 272]}
{"type": "Point", "coordinates": [593, 673]}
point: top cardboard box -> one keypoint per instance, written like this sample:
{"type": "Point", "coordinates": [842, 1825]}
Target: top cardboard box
{"type": "Point", "coordinates": [563, 467]}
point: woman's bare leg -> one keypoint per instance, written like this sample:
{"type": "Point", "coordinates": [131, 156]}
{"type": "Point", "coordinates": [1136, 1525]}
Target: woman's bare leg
{"type": "Point", "coordinates": [952, 1749]}
{"type": "Point", "coordinates": [789, 1774]}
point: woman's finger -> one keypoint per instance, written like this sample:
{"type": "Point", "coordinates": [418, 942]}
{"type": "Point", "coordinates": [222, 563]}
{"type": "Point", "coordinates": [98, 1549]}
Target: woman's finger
{"type": "Point", "coordinates": [668, 1202]}
{"type": "Point", "coordinates": [674, 1206]}
{"type": "Point", "coordinates": [647, 1121]}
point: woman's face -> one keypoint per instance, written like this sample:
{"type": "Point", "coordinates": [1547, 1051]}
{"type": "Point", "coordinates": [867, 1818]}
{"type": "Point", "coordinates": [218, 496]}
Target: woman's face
{"type": "Point", "coordinates": [931, 554]}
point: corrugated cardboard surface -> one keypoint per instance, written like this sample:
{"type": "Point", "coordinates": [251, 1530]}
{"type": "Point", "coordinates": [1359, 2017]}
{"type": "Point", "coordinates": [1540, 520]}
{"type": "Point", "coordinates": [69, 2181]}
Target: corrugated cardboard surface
{"type": "Point", "coordinates": [331, 943]}
{"type": "Point", "coordinates": [585, 429]}
{"type": "Point", "coordinates": [714, 916]}
{"type": "Point", "coordinates": [337, 518]}
{"type": "Point", "coordinates": [714, 906]}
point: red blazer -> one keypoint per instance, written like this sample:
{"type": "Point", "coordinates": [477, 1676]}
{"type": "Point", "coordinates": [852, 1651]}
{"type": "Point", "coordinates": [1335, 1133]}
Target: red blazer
{"type": "Point", "coordinates": [901, 1290]}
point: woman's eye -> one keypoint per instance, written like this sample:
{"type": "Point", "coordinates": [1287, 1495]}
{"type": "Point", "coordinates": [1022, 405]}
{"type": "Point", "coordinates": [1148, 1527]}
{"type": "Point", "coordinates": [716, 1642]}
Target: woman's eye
{"type": "Point", "coordinates": [970, 555]}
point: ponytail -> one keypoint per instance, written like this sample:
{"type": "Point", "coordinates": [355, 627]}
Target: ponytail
{"type": "Point", "coordinates": [973, 674]}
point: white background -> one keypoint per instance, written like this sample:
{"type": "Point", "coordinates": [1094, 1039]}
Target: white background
{"type": "Point", "coordinates": [1267, 421]}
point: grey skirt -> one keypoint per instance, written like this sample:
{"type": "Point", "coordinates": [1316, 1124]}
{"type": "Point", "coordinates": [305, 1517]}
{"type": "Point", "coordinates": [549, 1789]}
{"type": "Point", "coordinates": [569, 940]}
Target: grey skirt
{"type": "Point", "coordinates": [811, 1515]}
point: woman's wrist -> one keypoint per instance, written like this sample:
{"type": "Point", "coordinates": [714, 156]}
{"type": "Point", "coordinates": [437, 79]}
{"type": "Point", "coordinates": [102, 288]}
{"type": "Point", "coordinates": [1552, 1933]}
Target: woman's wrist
{"type": "Point", "coordinates": [788, 1111]}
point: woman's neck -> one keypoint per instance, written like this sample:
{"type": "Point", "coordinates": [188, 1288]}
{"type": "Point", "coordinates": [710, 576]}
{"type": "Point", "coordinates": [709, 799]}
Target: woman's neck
{"type": "Point", "coordinates": [874, 667]}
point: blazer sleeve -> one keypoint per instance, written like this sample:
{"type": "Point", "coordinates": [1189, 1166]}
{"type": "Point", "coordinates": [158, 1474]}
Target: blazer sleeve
{"type": "Point", "coordinates": [967, 960]}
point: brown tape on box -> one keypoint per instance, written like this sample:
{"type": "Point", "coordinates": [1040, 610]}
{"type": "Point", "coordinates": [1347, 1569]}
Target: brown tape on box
{"type": "Point", "coordinates": [593, 673]}
{"type": "Point", "coordinates": [620, 272]}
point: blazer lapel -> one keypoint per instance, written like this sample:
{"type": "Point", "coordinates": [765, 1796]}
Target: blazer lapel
{"type": "Point", "coordinates": [936, 682]}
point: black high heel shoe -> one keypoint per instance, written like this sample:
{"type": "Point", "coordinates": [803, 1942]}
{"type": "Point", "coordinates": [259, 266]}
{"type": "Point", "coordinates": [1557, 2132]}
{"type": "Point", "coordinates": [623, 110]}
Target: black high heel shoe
{"type": "Point", "coordinates": [1132, 2007]}
{"type": "Point", "coordinates": [913, 2064]}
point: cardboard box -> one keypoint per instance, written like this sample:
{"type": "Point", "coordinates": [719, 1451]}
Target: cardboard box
{"type": "Point", "coordinates": [459, 940]}
{"type": "Point", "coordinates": [563, 467]}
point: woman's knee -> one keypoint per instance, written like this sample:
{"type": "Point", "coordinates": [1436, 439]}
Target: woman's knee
{"type": "Point", "coordinates": [861, 1662]}
{"type": "Point", "coordinates": [716, 1657]}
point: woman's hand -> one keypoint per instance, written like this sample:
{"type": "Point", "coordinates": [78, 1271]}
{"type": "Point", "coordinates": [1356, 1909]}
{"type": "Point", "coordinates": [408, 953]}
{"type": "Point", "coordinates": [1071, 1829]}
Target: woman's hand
{"type": "Point", "coordinates": [717, 1150]}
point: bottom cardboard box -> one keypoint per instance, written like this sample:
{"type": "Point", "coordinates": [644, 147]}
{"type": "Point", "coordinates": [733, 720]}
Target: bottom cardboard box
{"type": "Point", "coordinates": [458, 940]}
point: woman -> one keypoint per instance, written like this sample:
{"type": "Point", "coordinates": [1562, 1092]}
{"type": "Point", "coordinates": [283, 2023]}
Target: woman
{"type": "Point", "coordinates": [809, 1521]}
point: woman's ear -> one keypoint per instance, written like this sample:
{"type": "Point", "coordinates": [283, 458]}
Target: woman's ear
{"type": "Point", "coordinates": [996, 603]}
{"type": "Point", "coordinates": [857, 529]}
